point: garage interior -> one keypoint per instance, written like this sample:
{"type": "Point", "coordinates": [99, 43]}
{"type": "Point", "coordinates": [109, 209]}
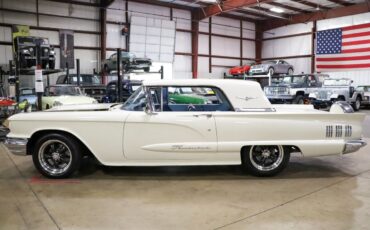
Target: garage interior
{"type": "Point", "coordinates": [201, 39]}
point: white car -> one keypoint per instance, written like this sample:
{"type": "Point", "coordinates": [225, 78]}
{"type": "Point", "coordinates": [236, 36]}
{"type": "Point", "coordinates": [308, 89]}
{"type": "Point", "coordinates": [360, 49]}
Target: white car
{"type": "Point", "coordinates": [240, 127]}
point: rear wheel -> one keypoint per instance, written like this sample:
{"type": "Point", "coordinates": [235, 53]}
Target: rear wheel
{"type": "Point", "coordinates": [265, 160]}
{"type": "Point", "coordinates": [57, 156]}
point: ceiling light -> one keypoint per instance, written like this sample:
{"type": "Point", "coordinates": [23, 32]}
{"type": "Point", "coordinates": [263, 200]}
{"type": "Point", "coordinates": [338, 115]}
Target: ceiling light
{"type": "Point", "coordinates": [209, 1]}
{"type": "Point", "coordinates": [277, 10]}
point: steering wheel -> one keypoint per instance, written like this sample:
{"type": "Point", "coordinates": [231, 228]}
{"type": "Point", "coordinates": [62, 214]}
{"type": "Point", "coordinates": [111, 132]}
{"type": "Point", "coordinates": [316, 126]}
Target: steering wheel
{"type": "Point", "coordinates": [191, 107]}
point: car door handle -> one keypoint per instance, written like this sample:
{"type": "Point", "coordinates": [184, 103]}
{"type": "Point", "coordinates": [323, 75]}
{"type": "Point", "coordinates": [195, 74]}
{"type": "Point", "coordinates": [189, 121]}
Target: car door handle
{"type": "Point", "coordinates": [199, 115]}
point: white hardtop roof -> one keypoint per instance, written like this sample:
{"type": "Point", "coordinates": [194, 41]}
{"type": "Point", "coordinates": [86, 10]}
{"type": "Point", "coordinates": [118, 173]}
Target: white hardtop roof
{"type": "Point", "coordinates": [242, 94]}
{"type": "Point", "coordinates": [201, 82]}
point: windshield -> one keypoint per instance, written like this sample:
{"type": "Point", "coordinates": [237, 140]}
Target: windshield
{"type": "Point", "coordinates": [363, 89]}
{"type": "Point", "coordinates": [127, 55]}
{"type": "Point", "coordinates": [27, 91]}
{"type": "Point", "coordinates": [63, 90]}
{"type": "Point", "coordinates": [293, 79]}
{"type": "Point", "coordinates": [269, 62]}
{"type": "Point", "coordinates": [136, 102]}
{"type": "Point", "coordinates": [85, 79]}
{"type": "Point", "coordinates": [337, 82]}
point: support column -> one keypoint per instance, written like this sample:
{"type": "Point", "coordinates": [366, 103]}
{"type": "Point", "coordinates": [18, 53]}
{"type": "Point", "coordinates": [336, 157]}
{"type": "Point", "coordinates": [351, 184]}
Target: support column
{"type": "Point", "coordinates": [103, 33]}
{"type": "Point", "coordinates": [194, 44]}
{"type": "Point", "coordinates": [313, 59]}
{"type": "Point", "coordinates": [241, 42]}
{"type": "Point", "coordinates": [259, 36]}
{"type": "Point", "coordinates": [210, 44]}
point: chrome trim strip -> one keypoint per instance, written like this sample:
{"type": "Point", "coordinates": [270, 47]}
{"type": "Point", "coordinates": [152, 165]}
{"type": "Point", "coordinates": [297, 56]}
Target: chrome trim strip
{"type": "Point", "coordinates": [17, 146]}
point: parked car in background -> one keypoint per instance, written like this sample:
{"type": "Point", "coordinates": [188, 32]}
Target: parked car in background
{"type": "Point", "coordinates": [365, 89]}
{"type": "Point", "coordinates": [25, 51]}
{"type": "Point", "coordinates": [129, 62]}
{"type": "Point", "coordinates": [29, 95]}
{"type": "Point", "coordinates": [58, 95]}
{"type": "Point", "coordinates": [294, 89]}
{"type": "Point", "coordinates": [240, 70]}
{"type": "Point", "coordinates": [90, 84]}
{"type": "Point", "coordinates": [242, 128]}
{"type": "Point", "coordinates": [128, 88]}
{"type": "Point", "coordinates": [337, 90]}
{"type": "Point", "coordinates": [272, 68]}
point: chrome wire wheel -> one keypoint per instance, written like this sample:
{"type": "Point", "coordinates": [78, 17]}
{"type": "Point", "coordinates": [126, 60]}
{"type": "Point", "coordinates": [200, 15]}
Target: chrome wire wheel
{"type": "Point", "coordinates": [55, 157]}
{"type": "Point", "coordinates": [266, 157]}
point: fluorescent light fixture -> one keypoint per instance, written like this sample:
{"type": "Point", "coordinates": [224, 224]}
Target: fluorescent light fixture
{"type": "Point", "coordinates": [277, 10]}
{"type": "Point", "coordinates": [208, 1]}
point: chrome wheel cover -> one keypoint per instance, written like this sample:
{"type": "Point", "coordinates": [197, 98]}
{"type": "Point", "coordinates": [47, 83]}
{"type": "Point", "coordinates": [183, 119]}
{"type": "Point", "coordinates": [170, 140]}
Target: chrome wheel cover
{"type": "Point", "coordinates": [266, 157]}
{"type": "Point", "coordinates": [358, 104]}
{"type": "Point", "coordinates": [55, 157]}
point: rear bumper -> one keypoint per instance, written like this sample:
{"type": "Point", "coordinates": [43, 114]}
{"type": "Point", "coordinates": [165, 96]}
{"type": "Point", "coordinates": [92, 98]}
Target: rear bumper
{"type": "Point", "coordinates": [17, 146]}
{"type": "Point", "coordinates": [353, 146]}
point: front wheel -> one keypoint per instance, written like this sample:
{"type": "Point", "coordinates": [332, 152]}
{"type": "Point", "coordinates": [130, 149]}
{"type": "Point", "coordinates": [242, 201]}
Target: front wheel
{"type": "Point", "coordinates": [298, 100]}
{"type": "Point", "coordinates": [57, 156]}
{"type": "Point", "coordinates": [265, 160]}
{"type": "Point", "coordinates": [356, 106]}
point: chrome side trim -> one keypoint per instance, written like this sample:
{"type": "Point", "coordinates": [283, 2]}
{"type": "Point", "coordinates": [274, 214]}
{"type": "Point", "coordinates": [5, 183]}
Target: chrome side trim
{"type": "Point", "coordinates": [17, 146]}
{"type": "Point", "coordinates": [353, 146]}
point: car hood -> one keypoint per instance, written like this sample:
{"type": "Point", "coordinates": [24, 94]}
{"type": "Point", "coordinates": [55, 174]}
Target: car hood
{"type": "Point", "coordinates": [71, 100]}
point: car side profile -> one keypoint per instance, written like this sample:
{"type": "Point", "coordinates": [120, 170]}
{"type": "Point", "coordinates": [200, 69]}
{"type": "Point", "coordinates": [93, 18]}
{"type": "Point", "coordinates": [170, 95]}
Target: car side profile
{"type": "Point", "coordinates": [272, 67]}
{"type": "Point", "coordinates": [239, 127]}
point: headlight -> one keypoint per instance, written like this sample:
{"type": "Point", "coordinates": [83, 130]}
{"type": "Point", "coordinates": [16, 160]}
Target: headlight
{"type": "Point", "coordinates": [57, 103]}
{"type": "Point", "coordinates": [31, 49]}
{"type": "Point", "coordinates": [25, 51]}
{"type": "Point", "coordinates": [6, 123]}
{"type": "Point", "coordinates": [45, 50]}
{"type": "Point", "coordinates": [52, 52]}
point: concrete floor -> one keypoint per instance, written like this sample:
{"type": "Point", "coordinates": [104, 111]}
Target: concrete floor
{"type": "Point", "coordinates": [312, 193]}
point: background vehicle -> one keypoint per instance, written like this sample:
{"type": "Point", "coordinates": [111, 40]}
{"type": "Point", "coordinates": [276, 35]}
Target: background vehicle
{"type": "Point", "coordinates": [29, 95]}
{"type": "Point", "coordinates": [90, 84]}
{"type": "Point", "coordinates": [294, 89]}
{"type": "Point", "coordinates": [365, 89]}
{"type": "Point", "coordinates": [58, 95]}
{"type": "Point", "coordinates": [336, 90]}
{"type": "Point", "coordinates": [25, 50]}
{"type": "Point", "coordinates": [240, 70]}
{"type": "Point", "coordinates": [129, 62]}
{"type": "Point", "coordinates": [128, 88]}
{"type": "Point", "coordinates": [272, 67]}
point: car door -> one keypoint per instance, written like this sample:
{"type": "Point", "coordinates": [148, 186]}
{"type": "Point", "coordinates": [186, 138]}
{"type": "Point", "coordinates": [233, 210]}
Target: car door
{"type": "Point", "coordinates": [170, 133]}
{"type": "Point", "coordinates": [113, 61]}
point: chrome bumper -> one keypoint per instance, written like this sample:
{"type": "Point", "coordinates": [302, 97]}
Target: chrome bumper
{"type": "Point", "coordinates": [17, 146]}
{"type": "Point", "coordinates": [353, 146]}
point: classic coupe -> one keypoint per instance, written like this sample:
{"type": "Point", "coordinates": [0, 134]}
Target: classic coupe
{"type": "Point", "coordinates": [240, 70]}
{"type": "Point", "coordinates": [58, 95]}
{"type": "Point", "coordinates": [272, 68]}
{"type": "Point", "coordinates": [129, 62]}
{"type": "Point", "coordinates": [241, 128]}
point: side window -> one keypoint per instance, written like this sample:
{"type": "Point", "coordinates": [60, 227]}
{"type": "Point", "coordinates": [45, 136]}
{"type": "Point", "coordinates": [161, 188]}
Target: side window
{"type": "Point", "coordinates": [198, 98]}
{"type": "Point", "coordinates": [113, 57]}
{"type": "Point", "coordinates": [157, 100]}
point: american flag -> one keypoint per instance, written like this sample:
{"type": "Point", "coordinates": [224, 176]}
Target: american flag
{"type": "Point", "coordinates": [343, 48]}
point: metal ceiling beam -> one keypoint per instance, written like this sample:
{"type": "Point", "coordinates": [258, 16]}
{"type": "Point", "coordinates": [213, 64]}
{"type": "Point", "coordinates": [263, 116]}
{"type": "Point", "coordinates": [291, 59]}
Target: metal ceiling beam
{"type": "Point", "coordinates": [269, 12]}
{"type": "Point", "coordinates": [320, 15]}
{"type": "Point", "coordinates": [74, 2]}
{"type": "Point", "coordinates": [224, 6]}
{"type": "Point", "coordinates": [313, 5]}
{"type": "Point", "coordinates": [341, 2]}
{"type": "Point", "coordinates": [289, 7]}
